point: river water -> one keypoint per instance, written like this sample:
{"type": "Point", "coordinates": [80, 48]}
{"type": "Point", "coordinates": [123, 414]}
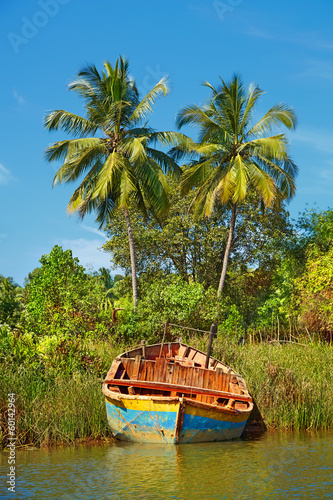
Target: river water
{"type": "Point", "coordinates": [272, 466]}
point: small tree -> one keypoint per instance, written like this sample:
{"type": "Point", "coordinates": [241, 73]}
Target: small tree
{"type": "Point", "coordinates": [11, 305]}
{"type": "Point", "coordinates": [62, 297]}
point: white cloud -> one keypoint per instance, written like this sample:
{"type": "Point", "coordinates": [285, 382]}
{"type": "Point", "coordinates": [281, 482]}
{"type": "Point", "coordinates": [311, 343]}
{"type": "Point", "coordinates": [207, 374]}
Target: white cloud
{"type": "Point", "coordinates": [308, 39]}
{"type": "Point", "coordinates": [93, 230]}
{"type": "Point", "coordinates": [18, 97]}
{"type": "Point", "coordinates": [317, 68]}
{"type": "Point", "coordinates": [327, 176]}
{"type": "Point", "coordinates": [321, 140]}
{"type": "Point", "coordinates": [88, 252]}
{"type": "Point", "coordinates": [5, 175]}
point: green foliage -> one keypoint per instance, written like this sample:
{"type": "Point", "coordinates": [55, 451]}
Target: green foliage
{"type": "Point", "coordinates": [235, 155]}
{"type": "Point", "coordinates": [63, 299]}
{"type": "Point", "coordinates": [176, 301]}
{"type": "Point", "coordinates": [11, 303]}
{"type": "Point", "coordinates": [232, 326]}
{"type": "Point", "coordinates": [278, 303]}
{"type": "Point", "coordinates": [315, 291]}
{"type": "Point", "coordinates": [291, 384]}
{"type": "Point", "coordinates": [311, 259]}
{"type": "Point", "coordinates": [193, 247]}
{"type": "Point", "coordinates": [122, 166]}
{"type": "Point", "coordinates": [317, 229]}
{"type": "Point", "coordinates": [53, 409]}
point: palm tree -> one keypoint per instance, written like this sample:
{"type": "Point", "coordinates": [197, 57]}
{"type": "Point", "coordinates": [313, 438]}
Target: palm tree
{"type": "Point", "coordinates": [122, 166]}
{"type": "Point", "coordinates": [233, 156]}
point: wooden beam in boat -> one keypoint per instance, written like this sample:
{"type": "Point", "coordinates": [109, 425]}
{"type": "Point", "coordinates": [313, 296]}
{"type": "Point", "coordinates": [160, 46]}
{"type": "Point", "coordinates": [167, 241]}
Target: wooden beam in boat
{"type": "Point", "coordinates": [183, 389]}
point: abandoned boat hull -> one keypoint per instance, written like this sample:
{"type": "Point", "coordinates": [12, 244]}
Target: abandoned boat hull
{"type": "Point", "coordinates": [173, 393]}
{"type": "Point", "coordinates": [170, 422]}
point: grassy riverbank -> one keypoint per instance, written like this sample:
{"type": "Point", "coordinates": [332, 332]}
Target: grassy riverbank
{"type": "Point", "coordinates": [291, 385]}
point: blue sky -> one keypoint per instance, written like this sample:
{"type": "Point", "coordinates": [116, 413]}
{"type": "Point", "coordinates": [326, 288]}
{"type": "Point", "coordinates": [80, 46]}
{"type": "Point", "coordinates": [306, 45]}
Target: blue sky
{"type": "Point", "coordinates": [286, 47]}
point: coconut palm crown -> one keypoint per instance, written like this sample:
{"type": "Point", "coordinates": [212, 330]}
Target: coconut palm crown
{"type": "Point", "coordinates": [122, 164]}
{"type": "Point", "coordinates": [233, 155]}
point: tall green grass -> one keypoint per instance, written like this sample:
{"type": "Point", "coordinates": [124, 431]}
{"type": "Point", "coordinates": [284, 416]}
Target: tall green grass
{"type": "Point", "coordinates": [60, 409]}
{"type": "Point", "coordinates": [292, 386]}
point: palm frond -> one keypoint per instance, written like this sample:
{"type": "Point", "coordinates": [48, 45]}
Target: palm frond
{"type": "Point", "coordinates": [253, 95]}
{"type": "Point", "coordinates": [103, 209]}
{"type": "Point", "coordinates": [278, 115]}
{"type": "Point", "coordinates": [110, 175]}
{"type": "Point", "coordinates": [195, 175]}
{"type": "Point", "coordinates": [278, 171]}
{"type": "Point", "coordinates": [271, 147]}
{"type": "Point", "coordinates": [263, 183]}
{"type": "Point", "coordinates": [127, 187]}
{"type": "Point", "coordinates": [69, 122]}
{"type": "Point", "coordinates": [59, 150]}
{"type": "Point", "coordinates": [155, 185]}
{"type": "Point", "coordinates": [134, 149]}
{"type": "Point", "coordinates": [194, 115]}
{"type": "Point", "coordinates": [77, 161]}
{"type": "Point", "coordinates": [166, 162]}
{"type": "Point", "coordinates": [239, 171]}
{"type": "Point", "coordinates": [145, 106]}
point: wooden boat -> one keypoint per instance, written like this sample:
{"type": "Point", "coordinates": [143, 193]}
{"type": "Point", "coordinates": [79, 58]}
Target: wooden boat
{"type": "Point", "coordinates": [174, 393]}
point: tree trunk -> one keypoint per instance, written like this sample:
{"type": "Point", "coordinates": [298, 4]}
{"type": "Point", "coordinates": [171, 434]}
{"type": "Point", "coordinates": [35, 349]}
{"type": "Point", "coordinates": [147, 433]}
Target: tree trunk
{"type": "Point", "coordinates": [227, 251]}
{"type": "Point", "coordinates": [132, 254]}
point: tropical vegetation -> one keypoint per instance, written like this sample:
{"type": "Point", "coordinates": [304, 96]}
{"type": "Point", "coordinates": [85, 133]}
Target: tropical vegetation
{"type": "Point", "coordinates": [171, 230]}
{"type": "Point", "coordinates": [234, 156]}
{"type": "Point", "coordinates": [122, 165]}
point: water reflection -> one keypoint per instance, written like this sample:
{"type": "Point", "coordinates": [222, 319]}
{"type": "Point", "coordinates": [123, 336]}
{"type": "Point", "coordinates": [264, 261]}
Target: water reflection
{"type": "Point", "coordinates": [274, 466]}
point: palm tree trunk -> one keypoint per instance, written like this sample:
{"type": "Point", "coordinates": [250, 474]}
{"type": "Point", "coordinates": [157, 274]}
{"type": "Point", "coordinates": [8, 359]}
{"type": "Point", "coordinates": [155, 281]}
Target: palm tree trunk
{"type": "Point", "coordinates": [132, 254]}
{"type": "Point", "coordinates": [227, 251]}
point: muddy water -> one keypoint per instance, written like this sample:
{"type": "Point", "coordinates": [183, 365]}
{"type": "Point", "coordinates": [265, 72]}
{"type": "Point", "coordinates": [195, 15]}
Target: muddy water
{"type": "Point", "coordinates": [273, 466]}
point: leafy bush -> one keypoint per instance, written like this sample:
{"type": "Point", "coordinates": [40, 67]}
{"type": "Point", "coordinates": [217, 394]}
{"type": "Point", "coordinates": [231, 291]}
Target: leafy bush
{"type": "Point", "coordinates": [63, 299]}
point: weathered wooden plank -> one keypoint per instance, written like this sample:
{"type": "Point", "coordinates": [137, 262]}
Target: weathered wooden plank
{"type": "Point", "coordinates": [157, 370]}
{"type": "Point", "coordinates": [181, 375]}
{"type": "Point", "coordinates": [187, 350]}
{"type": "Point", "coordinates": [181, 351]}
{"type": "Point", "coordinates": [206, 376]}
{"type": "Point", "coordinates": [189, 376]}
{"type": "Point", "coordinates": [114, 368]}
{"type": "Point", "coordinates": [136, 367]}
{"type": "Point", "coordinates": [150, 371]}
{"type": "Point", "coordinates": [226, 382]}
{"type": "Point", "coordinates": [168, 373]}
{"type": "Point", "coordinates": [218, 385]}
{"type": "Point", "coordinates": [195, 377]}
{"type": "Point", "coordinates": [179, 388]}
{"type": "Point", "coordinates": [162, 371]}
{"type": "Point", "coordinates": [211, 379]}
{"type": "Point", "coordinates": [175, 374]}
{"type": "Point", "coordinates": [143, 370]}
{"type": "Point", "coordinates": [192, 353]}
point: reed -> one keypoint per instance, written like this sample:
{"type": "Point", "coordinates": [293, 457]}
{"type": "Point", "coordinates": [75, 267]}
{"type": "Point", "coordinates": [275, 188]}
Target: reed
{"type": "Point", "coordinates": [291, 385]}
{"type": "Point", "coordinates": [60, 409]}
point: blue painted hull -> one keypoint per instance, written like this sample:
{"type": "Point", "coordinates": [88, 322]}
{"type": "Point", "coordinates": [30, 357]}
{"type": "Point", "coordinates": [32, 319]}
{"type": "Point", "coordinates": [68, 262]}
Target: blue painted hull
{"type": "Point", "coordinates": [171, 422]}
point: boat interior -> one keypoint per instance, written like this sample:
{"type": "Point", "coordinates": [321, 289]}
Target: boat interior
{"type": "Point", "coordinates": [177, 370]}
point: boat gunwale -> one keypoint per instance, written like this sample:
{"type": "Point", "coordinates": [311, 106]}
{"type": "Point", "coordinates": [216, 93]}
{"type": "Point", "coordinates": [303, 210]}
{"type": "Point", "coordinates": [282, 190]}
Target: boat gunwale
{"type": "Point", "coordinates": [179, 399]}
{"type": "Point", "coordinates": [147, 347]}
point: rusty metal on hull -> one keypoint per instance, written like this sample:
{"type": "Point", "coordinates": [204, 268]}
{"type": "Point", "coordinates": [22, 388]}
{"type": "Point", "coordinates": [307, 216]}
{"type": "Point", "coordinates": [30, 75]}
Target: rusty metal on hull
{"type": "Point", "coordinates": [163, 393]}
